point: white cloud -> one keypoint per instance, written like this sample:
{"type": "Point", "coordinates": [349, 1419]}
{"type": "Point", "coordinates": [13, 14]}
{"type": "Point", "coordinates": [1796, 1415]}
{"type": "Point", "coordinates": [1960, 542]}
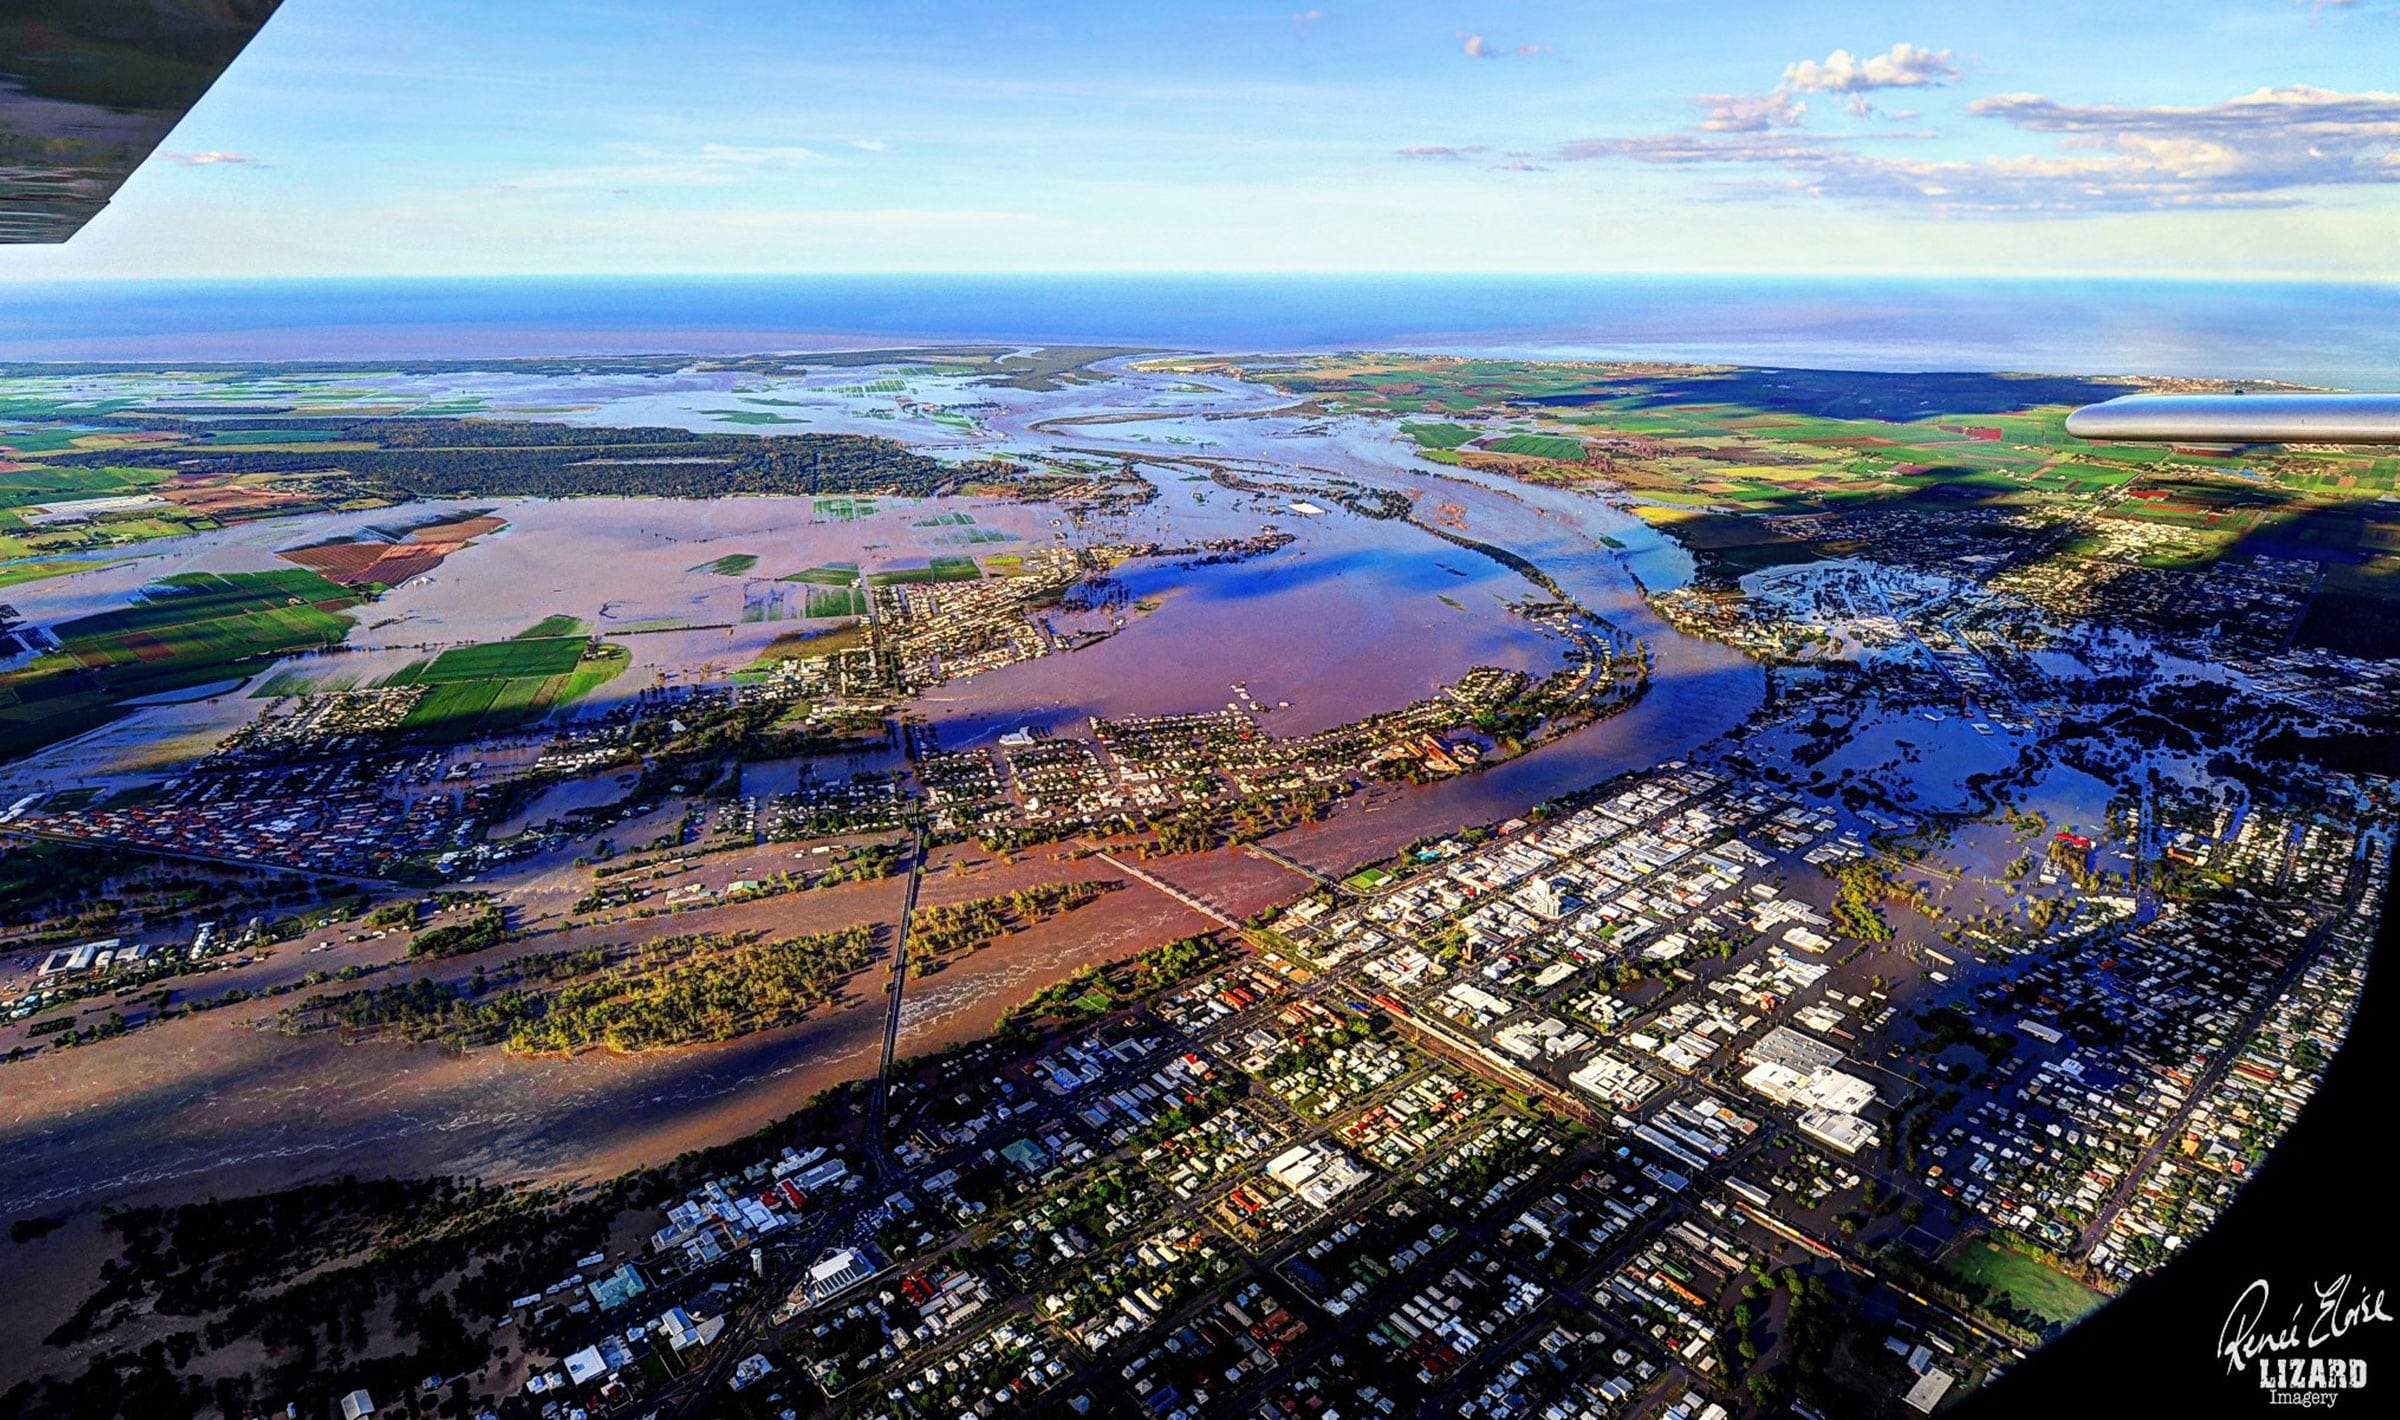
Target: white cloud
{"type": "Point", "coordinates": [2259, 150]}
{"type": "Point", "coordinates": [1904, 66]}
{"type": "Point", "coordinates": [1750, 113]}
{"type": "Point", "coordinates": [1477, 47]}
{"type": "Point", "coordinates": [213, 158]}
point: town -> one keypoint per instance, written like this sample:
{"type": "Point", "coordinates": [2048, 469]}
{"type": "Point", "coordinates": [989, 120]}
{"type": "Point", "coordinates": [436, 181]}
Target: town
{"type": "Point", "coordinates": [1976, 941]}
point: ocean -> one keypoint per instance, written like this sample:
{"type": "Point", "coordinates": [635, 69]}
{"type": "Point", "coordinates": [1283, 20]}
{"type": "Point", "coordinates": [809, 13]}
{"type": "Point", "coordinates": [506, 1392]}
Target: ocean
{"type": "Point", "coordinates": [2336, 335]}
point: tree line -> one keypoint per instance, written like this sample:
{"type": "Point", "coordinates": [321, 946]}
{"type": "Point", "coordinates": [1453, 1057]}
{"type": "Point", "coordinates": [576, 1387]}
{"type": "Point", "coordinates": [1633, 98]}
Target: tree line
{"type": "Point", "coordinates": [939, 934]}
{"type": "Point", "coordinates": [465, 458]}
{"type": "Point", "coordinates": [678, 990]}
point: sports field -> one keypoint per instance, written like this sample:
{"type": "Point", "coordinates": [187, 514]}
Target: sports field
{"type": "Point", "coordinates": [2031, 1284]}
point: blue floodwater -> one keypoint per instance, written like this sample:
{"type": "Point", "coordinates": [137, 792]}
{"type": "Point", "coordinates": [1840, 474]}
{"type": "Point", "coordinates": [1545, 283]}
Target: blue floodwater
{"type": "Point", "coordinates": [2345, 336]}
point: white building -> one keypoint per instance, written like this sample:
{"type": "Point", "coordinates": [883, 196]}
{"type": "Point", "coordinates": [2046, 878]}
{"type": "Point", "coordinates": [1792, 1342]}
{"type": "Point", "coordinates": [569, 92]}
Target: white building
{"type": "Point", "coordinates": [837, 1274]}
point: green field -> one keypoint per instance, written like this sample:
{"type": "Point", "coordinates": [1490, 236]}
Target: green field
{"type": "Point", "coordinates": [836, 601]}
{"type": "Point", "coordinates": [16, 573]}
{"type": "Point", "coordinates": [189, 630]}
{"type": "Point", "coordinates": [756, 416]}
{"type": "Point", "coordinates": [1438, 436]}
{"type": "Point", "coordinates": [2029, 1283]}
{"type": "Point", "coordinates": [845, 509]}
{"type": "Point", "coordinates": [38, 441]}
{"type": "Point", "coordinates": [524, 697]}
{"type": "Point", "coordinates": [550, 626]}
{"type": "Point", "coordinates": [732, 564]}
{"type": "Point", "coordinates": [300, 682]}
{"type": "Point", "coordinates": [241, 613]}
{"type": "Point", "coordinates": [1541, 446]}
{"type": "Point", "coordinates": [452, 711]}
{"type": "Point", "coordinates": [940, 569]}
{"type": "Point", "coordinates": [501, 685]}
{"type": "Point", "coordinates": [605, 665]}
{"type": "Point", "coordinates": [502, 660]}
{"type": "Point", "coordinates": [839, 574]}
{"type": "Point", "coordinates": [60, 485]}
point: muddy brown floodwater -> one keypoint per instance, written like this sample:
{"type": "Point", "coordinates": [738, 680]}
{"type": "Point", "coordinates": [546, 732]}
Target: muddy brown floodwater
{"type": "Point", "coordinates": [221, 1102]}
{"type": "Point", "coordinates": [1355, 615]}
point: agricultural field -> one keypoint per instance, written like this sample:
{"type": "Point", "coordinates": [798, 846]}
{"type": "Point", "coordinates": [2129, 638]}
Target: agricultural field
{"type": "Point", "coordinates": [500, 685]}
{"type": "Point", "coordinates": [16, 573]}
{"type": "Point", "coordinates": [206, 616]}
{"type": "Point", "coordinates": [1438, 436]}
{"type": "Point", "coordinates": [28, 484]}
{"type": "Point", "coordinates": [518, 656]}
{"type": "Point", "coordinates": [1540, 446]}
{"type": "Point", "coordinates": [732, 564]}
{"type": "Point", "coordinates": [839, 574]}
{"type": "Point", "coordinates": [939, 569]}
{"type": "Point", "coordinates": [836, 601]}
{"type": "Point", "coordinates": [194, 629]}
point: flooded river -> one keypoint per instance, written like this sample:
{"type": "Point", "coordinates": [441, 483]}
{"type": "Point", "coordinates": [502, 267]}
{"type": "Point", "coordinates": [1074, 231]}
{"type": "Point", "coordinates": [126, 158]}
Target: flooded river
{"type": "Point", "coordinates": [1355, 615]}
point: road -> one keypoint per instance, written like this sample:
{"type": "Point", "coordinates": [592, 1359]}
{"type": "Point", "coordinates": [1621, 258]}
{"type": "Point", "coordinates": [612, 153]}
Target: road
{"type": "Point", "coordinates": [879, 1102]}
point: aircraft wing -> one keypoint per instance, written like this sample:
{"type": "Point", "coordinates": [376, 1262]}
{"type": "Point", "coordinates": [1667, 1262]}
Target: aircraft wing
{"type": "Point", "coordinates": [2242, 419]}
{"type": "Point", "coordinates": [88, 88]}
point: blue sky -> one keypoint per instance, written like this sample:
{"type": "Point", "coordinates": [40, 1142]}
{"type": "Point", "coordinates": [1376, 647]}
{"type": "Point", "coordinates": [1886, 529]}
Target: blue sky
{"type": "Point", "coordinates": [2199, 137]}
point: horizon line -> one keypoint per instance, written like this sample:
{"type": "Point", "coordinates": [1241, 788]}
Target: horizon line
{"type": "Point", "coordinates": [1222, 274]}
